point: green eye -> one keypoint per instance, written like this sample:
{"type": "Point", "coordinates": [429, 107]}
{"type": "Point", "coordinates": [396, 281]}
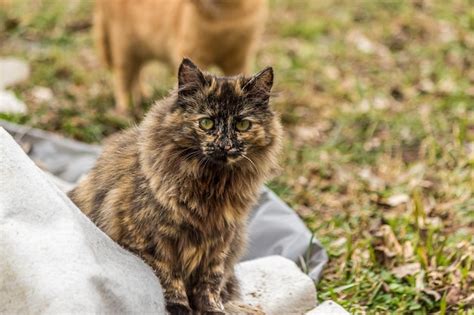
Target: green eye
{"type": "Point", "coordinates": [206, 123]}
{"type": "Point", "coordinates": [243, 125]}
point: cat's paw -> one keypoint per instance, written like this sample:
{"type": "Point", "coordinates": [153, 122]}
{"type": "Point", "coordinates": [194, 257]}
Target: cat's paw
{"type": "Point", "coordinates": [178, 309]}
{"type": "Point", "coordinates": [206, 306]}
{"type": "Point", "coordinates": [212, 311]}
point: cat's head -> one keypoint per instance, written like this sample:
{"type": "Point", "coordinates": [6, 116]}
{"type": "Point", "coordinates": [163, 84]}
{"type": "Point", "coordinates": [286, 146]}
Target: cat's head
{"type": "Point", "coordinates": [224, 120]}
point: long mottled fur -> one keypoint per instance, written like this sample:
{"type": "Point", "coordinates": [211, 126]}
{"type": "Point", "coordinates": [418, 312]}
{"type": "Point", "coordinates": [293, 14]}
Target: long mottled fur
{"type": "Point", "coordinates": [157, 190]}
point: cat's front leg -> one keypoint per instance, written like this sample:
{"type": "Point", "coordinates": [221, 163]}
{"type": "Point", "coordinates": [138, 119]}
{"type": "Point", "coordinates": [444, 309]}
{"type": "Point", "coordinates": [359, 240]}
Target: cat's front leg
{"type": "Point", "coordinates": [174, 289]}
{"type": "Point", "coordinates": [206, 294]}
{"type": "Point", "coordinates": [175, 294]}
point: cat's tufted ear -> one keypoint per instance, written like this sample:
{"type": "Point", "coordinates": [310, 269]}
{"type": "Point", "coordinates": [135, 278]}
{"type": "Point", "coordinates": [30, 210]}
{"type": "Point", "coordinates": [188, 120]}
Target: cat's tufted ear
{"type": "Point", "coordinates": [190, 78]}
{"type": "Point", "coordinates": [259, 86]}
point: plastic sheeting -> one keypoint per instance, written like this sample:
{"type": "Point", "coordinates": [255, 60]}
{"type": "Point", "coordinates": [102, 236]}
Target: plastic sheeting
{"type": "Point", "coordinates": [274, 228]}
{"type": "Point", "coordinates": [54, 260]}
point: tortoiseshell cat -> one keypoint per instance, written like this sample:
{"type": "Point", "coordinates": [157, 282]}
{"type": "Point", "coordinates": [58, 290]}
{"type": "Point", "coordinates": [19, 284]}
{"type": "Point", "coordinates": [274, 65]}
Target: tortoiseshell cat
{"type": "Point", "coordinates": [177, 189]}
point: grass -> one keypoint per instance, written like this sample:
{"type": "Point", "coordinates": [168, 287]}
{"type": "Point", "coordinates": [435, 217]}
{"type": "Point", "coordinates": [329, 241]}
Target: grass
{"type": "Point", "coordinates": [377, 98]}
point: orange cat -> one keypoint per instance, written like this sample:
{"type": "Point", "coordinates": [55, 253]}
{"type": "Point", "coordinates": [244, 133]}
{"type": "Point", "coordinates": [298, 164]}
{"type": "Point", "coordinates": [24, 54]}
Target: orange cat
{"type": "Point", "coordinates": [129, 33]}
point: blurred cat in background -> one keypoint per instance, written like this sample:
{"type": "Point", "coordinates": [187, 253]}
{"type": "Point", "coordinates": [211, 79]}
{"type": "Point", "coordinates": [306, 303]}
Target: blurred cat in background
{"type": "Point", "coordinates": [128, 33]}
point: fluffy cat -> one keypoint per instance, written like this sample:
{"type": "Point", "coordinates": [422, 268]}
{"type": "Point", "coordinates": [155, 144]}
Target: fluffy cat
{"type": "Point", "coordinates": [128, 33]}
{"type": "Point", "coordinates": [177, 189]}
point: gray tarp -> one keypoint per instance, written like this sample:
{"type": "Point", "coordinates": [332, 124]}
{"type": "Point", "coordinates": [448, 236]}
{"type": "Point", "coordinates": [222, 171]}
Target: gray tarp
{"type": "Point", "coordinates": [274, 228]}
{"type": "Point", "coordinates": [54, 260]}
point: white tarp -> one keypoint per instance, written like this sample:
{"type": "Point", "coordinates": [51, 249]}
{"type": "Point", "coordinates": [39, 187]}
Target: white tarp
{"type": "Point", "coordinates": [274, 228]}
{"type": "Point", "coordinates": [54, 260]}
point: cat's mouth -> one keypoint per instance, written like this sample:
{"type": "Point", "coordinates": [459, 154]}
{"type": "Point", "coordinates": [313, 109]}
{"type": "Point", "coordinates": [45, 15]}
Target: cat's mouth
{"type": "Point", "coordinates": [222, 157]}
{"type": "Point", "coordinates": [225, 158]}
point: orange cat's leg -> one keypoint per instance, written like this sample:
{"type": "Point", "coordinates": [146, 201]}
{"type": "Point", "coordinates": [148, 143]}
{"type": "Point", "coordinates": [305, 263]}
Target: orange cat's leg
{"type": "Point", "coordinates": [125, 66]}
{"type": "Point", "coordinates": [125, 76]}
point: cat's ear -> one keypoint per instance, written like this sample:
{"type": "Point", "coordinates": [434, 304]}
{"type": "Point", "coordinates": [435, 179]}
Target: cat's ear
{"type": "Point", "coordinates": [259, 86]}
{"type": "Point", "coordinates": [190, 78]}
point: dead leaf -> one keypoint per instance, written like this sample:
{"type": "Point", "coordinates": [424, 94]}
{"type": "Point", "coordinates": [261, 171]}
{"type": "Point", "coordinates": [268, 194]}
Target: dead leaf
{"type": "Point", "coordinates": [405, 270]}
{"type": "Point", "coordinates": [469, 300]}
{"type": "Point", "coordinates": [420, 281]}
{"type": "Point", "coordinates": [433, 293]}
{"type": "Point", "coordinates": [390, 240]}
{"type": "Point", "coordinates": [332, 72]}
{"type": "Point", "coordinates": [447, 85]}
{"type": "Point", "coordinates": [375, 182]}
{"type": "Point", "coordinates": [446, 32]}
{"type": "Point", "coordinates": [408, 251]}
{"type": "Point", "coordinates": [386, 251]}
{"type": "Point", "coordinates": [454, 294]}
{"type": "Point", "coordinates": [307, 134]}
{"type": "Point", "coordinates": [339, 242]}
{"type": "Point", "coordinates": [398, 199]}
{"type": "Point", "coordinates": [360, 41]}
{"type": "Point", "coordinates": [42, 94]}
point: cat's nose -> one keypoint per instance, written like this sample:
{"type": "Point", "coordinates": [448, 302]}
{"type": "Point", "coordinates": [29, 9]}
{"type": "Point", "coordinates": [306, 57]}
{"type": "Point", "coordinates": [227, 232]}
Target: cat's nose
{"type": "Point", "coordinates": [233, 152]}
{"type": "Point", "coordinates": [225, 146]}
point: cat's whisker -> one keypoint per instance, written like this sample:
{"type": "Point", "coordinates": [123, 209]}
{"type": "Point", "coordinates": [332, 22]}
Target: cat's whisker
{"type": "Point", "coordinates": [251, 162]}
{"type": "Point", "coordinates": [205, 162]}
{"type": "Point", "coordinates": [201, 163]}
{"type": "Point", "coordinates": [186, 157]}
{"type": "Point", "coordinates": [191, 155]}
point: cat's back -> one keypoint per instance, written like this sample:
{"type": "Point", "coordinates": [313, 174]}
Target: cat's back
{"type": "Point", "coordinates": [168, 30]}
{"type": "Point", "coordinates": [120, 152]}
{"type": "Point", "coordinates": [140, 12]}
{"type": "Point", "coordinates": [114, 170]}
{"type": "Point", "coordinates": [139, 21]}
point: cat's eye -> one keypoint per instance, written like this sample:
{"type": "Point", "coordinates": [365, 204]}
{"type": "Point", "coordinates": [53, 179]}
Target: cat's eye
{"type": "Point", "coordinates": [206, 123]}
{"type": "Point", "coordinates": [243, 125]}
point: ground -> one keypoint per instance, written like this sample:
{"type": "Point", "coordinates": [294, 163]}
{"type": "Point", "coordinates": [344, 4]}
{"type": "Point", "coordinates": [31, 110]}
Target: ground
{"type": "Point", "coordinates": [377, 100]}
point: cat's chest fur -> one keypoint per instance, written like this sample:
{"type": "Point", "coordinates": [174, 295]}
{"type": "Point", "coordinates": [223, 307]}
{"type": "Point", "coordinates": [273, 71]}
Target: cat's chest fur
{"type": "Point", "coordinates": [197, 245]}
{"type": "Point", "coordinates": [200, 223]}
{"type": "Point", "coordinates": [210, 207]}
